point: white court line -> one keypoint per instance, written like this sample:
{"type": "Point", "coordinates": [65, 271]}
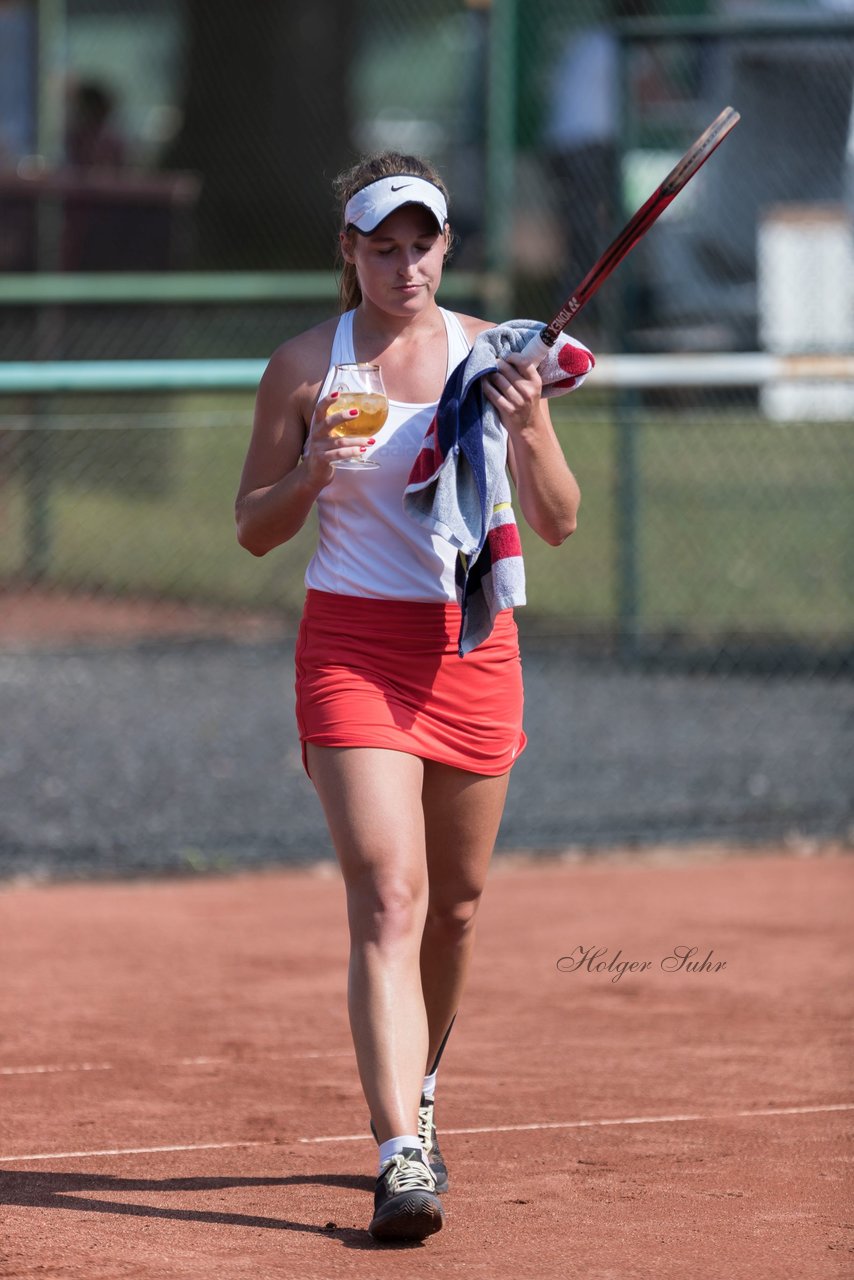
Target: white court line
{"type": "Point", "coordinates": [507, 1128]}
{"type": "Point", "coordinates": [57, 1069]}
{"type": "Point", "coordinates": [129, 1151]}
{"type": "Point", "coordinates": [592, 1124]}
{"type": "Point", "coordinates": [47, 1069]}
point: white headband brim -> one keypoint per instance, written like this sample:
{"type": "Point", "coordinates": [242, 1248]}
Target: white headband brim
{"type": "Point", "coordinates": [368, 207]}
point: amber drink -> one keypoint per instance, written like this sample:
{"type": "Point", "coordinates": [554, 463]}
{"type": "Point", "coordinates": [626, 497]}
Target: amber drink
{"type": "Point", "coordinates": [373, 411]}
{"type": "Point", "coordinates": [359, 386]}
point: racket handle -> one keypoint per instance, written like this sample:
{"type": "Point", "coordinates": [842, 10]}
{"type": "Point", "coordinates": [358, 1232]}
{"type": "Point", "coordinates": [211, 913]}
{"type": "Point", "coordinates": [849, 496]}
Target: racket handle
{"type": "Point", "coordinates": [535, 352]}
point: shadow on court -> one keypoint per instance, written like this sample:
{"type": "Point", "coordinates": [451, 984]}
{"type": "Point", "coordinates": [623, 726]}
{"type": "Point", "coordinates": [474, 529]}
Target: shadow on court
{"type": "Point", "coordinates": [51, 1190]}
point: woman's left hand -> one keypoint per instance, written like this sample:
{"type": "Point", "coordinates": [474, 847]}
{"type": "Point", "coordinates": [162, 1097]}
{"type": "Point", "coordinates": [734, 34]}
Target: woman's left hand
{"type": "Point", "coordinates": [514, 391]}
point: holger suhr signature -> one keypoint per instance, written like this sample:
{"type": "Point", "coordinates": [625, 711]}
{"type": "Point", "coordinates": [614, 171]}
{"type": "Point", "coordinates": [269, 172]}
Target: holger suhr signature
{"type": "Point", "coordinates": [681, 959]}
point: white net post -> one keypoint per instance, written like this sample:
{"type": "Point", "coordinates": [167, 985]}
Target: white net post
{"type": "Point", "coordinates": [805, 280]}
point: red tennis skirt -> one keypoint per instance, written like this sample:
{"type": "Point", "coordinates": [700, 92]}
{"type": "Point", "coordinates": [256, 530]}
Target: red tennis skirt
{"type": "Point", "coordinates": [386, 673]}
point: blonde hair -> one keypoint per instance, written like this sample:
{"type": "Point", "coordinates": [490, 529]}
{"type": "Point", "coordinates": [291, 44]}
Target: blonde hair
{"type": "Point", "coordinates": [385, 164]}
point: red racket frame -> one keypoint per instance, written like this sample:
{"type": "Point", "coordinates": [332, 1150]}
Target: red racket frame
{"type": "Point", "coordinates": [637, 226]}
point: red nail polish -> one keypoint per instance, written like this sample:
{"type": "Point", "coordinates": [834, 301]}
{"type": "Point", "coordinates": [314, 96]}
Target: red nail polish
{"type": "Point", "coordinates": [333, 395]}
{"type": "Point", "coordinates": [363, 448]}
{"type": "Point", "coordinates": [352, 413]}
{"type": "Point", "coordinates": [372, 442]}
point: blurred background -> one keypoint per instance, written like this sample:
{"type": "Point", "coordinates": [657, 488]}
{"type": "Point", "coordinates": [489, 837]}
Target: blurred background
{"type": "Point", "coordinates": [165, 200]}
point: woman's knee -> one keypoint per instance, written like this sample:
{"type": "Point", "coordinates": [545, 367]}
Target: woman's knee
{"type": "Point", "coordinates": [453, 919]}
{"type": "Point", "coordinates": [385, 912]}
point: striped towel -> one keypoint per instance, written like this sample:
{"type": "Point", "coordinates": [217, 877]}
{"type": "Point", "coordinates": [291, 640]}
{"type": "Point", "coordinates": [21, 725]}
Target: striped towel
{"type": "Point", "coordinates": [458, 487]}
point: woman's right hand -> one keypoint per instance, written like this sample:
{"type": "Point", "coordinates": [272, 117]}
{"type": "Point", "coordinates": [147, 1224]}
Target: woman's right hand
{"type": "Point", "coordinates": [324, 448]}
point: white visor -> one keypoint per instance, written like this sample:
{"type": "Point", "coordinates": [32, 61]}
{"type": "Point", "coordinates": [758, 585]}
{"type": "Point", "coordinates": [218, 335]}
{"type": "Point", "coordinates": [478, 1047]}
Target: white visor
{"type": "Point", "coordinates": [369, 206]}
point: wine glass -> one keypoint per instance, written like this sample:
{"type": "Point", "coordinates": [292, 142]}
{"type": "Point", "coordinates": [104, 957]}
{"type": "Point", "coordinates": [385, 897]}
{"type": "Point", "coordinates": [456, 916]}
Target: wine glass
{"type": "Point", "coordinates": [359, 386]}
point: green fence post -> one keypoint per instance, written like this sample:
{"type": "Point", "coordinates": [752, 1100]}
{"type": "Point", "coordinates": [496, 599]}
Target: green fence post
{"type": "Point", "coordinates": [626, 442]}
{"type": "Point", "coordinates": [37, 513]}
{"type": "Point", "coordinates": [627, 511]}
{"type": "Point", "coordinates": [500, 159]}
{"type": "Point", "coordinates": [50, 62]}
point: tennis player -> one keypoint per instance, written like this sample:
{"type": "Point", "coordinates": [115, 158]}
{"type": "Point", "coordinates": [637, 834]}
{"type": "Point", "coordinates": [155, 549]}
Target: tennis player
{"type": "Point", "coordinates": [408, 745]}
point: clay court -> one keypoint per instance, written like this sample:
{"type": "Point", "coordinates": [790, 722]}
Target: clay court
{"type": "Point", "coordinates": [180, 1096]}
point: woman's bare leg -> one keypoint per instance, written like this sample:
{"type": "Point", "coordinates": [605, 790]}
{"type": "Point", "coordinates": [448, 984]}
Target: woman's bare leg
{"type": "Point", "coordinates": [462, 812]}
{"type": "Point", "coordinates": [372, 801]}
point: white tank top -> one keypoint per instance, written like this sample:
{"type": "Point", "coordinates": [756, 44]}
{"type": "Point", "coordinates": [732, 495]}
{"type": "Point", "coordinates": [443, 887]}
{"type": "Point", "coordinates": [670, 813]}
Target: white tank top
{"type": "Point", "coordinates": [367, 545]}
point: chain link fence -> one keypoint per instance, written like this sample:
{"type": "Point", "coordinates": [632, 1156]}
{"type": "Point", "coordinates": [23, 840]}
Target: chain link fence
{"type": "Point", "coordinates": [192, 144]}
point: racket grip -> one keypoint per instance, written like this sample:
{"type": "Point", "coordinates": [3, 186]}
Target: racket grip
{"type": "Point", "coordinates": [535, 352]}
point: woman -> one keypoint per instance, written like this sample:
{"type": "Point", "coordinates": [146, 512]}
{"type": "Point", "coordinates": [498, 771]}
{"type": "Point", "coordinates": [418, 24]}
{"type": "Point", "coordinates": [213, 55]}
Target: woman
{"type": "Point", "coordinates": [408, 746]}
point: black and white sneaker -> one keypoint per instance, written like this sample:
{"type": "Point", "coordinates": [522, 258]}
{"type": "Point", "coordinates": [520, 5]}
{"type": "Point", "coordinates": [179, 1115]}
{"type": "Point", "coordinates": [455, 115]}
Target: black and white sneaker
{"type": "Point", "coordinates": [406, 1206]}
{"type": "Point", "coordinates": [430, 1143]}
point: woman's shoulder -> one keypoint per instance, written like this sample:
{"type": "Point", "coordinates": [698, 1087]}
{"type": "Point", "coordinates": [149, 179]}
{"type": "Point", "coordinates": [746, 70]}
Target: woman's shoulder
{"type": "Point", "coordinates": [304, 358]}
{"type": "Point", "coordinates": [472, 325]}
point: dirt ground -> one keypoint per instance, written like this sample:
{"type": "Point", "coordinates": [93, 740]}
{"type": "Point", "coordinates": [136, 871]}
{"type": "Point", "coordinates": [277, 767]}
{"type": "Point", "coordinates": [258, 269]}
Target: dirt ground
{"type": "Point", "coordinates": [179, 1096]}
{"type": "Point", "coordinates": [44, 619]}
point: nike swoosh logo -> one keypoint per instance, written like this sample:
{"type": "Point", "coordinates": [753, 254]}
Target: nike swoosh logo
{"type": "Point", "coordinates": [402, 185]}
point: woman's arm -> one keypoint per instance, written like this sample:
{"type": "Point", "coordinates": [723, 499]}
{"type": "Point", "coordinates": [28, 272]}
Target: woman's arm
{"type": "Point", "coordinates": [549, 496]}
{"type": "Point", "coordinates": [279, 486]}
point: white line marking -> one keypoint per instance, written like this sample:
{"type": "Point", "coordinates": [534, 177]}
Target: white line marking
{"type": "Point", "coordinates": [129, 1151]}
{"type": "Point", "coordinates": [48, 1069]}
{"type": "Point", "coordinates": [336, 1053]}
{"type": "Point", "coordinates": [799, 1111]}
{"type": "Point", "coordinates": [592, 1124]}
{"type": "Point", "coordinates": [507, 1128]}
{"type": "Point", "coordinates": [57, 1069]}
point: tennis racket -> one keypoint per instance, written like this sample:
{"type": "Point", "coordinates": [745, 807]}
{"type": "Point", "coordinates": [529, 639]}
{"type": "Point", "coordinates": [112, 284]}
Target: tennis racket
{"type": "Point", "coordinates": [637, 226]}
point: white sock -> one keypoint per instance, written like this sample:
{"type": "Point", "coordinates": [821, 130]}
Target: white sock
{"type": "Point", "coordinates": [429, 1088]}
{"type": "Point", "coordinates": [395, 1145]}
